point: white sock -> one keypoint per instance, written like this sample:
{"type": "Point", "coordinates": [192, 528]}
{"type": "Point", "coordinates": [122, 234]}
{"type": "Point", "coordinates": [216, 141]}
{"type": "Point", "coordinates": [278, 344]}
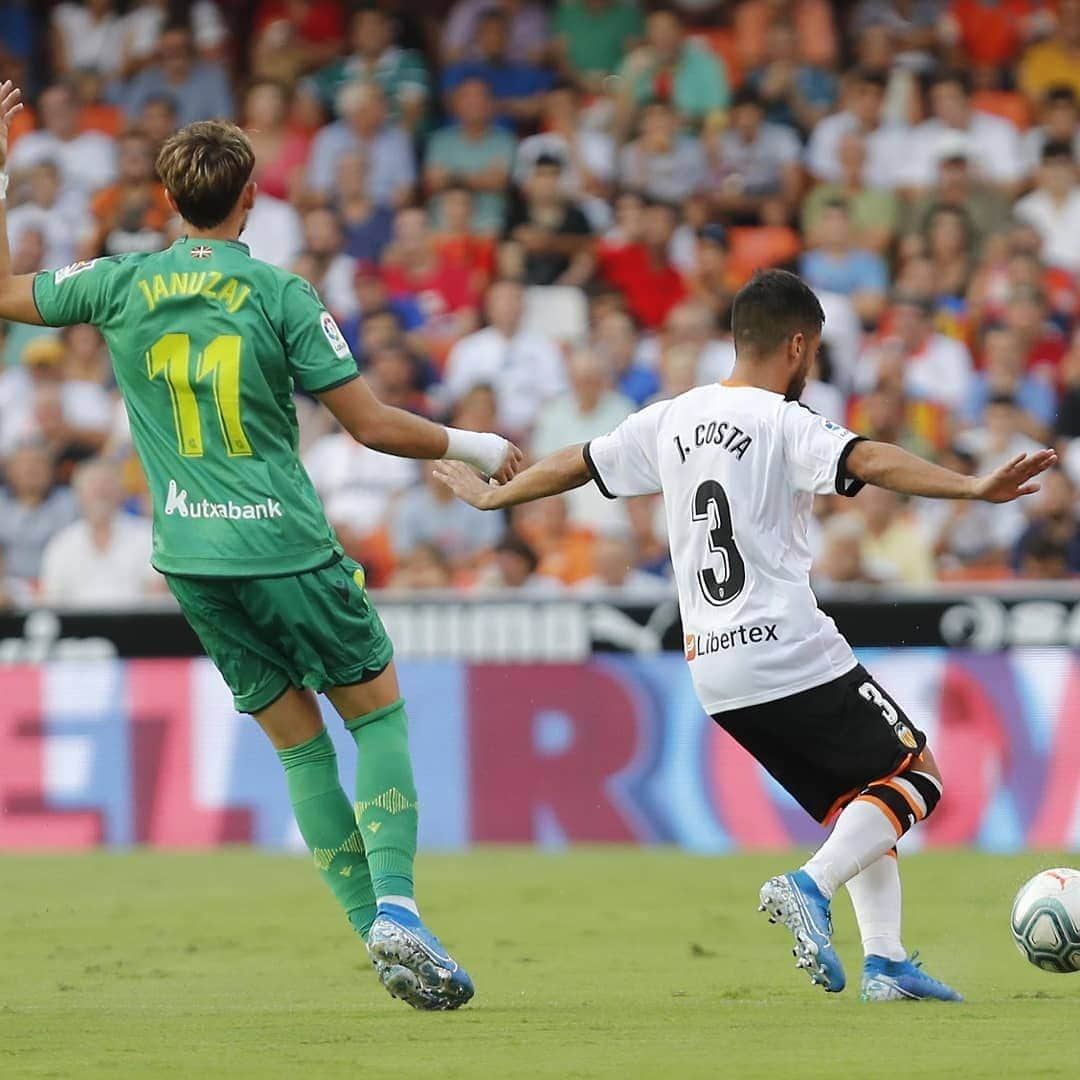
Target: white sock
{"type": "Point", "coordinates": [401, 901]}
{"type": "Point", "coordinates": [862, 834]}
{"type": "Point", "coordinates": [875, 896]}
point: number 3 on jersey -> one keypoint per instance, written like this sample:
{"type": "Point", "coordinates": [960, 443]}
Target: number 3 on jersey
{"type": "Point", "coordinates": [170, 356]}
{"type": "Point", "coordinates": [711, 505]}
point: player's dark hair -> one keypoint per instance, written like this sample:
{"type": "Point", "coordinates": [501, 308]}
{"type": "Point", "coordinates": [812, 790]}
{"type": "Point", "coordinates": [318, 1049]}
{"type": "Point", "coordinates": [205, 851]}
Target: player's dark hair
{"type": "Point", "coordinates": [205, 167]}
{"type": "Point", "coordinates": [770, 309]}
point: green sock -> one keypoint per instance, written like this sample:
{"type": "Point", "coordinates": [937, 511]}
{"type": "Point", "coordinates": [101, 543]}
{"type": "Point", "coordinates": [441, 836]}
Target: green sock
{"type": "Point", "coordinates": [328, 827]}
{"type": "Point", "coordinates": [386, 808]}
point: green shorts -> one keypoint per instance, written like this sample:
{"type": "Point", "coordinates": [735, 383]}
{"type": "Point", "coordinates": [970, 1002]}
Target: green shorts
{"type": "Point", "coordinates": [316, 630]}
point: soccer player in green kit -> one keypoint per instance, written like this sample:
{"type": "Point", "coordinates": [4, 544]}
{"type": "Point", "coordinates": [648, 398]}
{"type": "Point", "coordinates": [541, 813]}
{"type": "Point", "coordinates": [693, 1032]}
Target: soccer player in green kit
{"type": "Point", "coordinates": [207, 344]}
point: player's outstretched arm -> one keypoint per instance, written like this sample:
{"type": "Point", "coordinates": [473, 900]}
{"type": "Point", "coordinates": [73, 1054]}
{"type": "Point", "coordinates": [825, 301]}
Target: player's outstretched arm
{"type": "Point", "coordinates": [888, 466]}
{"type": "Point", "coordinates": [16, 291]}
{"type": "Point", "coordinates": [562, 471]}
{"type": "Point", "coordinates": [395, 431]}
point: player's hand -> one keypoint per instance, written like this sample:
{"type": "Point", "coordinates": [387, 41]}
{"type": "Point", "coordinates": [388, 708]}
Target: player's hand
{"type": "Point", "coordinates": [1015, 478]}
{"type": "Point", "coordinates": [465, 483]}
{"type": "Point", "coordinates": [10, 104]}
{"type": "Point", "coordinates": [511, 465]}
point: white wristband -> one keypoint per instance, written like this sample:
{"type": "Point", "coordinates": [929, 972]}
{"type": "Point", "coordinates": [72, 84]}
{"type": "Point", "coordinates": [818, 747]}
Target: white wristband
{"type": "Point", "coordinates": [4, 181]}
{"type": "Point", "coordinates": [480, 449]}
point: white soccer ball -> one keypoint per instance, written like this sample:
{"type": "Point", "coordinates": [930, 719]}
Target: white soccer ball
{"type": "Point", "coordinates": [1046, 920]}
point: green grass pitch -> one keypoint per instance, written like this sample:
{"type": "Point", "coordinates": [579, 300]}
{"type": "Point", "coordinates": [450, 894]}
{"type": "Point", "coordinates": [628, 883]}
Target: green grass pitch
{"type": "Point", "coordinates": [593, 963]}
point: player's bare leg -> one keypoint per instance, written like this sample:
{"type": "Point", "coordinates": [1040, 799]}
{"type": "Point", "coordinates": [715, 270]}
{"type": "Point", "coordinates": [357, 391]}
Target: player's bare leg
{"type": "Point", "coordinates": [410, 960]}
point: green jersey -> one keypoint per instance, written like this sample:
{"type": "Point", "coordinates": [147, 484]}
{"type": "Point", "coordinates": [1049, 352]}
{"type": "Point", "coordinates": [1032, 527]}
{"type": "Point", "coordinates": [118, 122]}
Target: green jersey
{"type": "Point", "coordinates": [207, 344]}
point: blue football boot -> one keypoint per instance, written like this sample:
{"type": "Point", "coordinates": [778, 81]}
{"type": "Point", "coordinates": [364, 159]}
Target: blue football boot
{"type": "Point", "coordinates": [795, 901]}
{"type": "Point", "coordinates": [902, 980]}
{"type": "Point", "coordinates": [413, 964]}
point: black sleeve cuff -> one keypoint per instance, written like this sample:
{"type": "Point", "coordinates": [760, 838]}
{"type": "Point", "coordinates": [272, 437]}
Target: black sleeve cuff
{"type": "Point", "coordinates": [591, 466]}
{"type": "Point", "coordinates": [848, 485]}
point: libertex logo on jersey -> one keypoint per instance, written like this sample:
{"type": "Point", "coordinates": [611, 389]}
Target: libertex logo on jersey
{"type": "Point", "coordinates": [713, 642]}
{"type": "Point", "coordinates": [176, 502]}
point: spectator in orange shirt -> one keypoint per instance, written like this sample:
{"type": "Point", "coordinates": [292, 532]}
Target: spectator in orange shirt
{"type": "Point", "coordinates": [991, 33]}
{"type": "Point", "coordinates": [565, 550]}
{"type": "Point", "coordinates": [132, 214]}
{"type": "Point", "coordinates": [813, 22]}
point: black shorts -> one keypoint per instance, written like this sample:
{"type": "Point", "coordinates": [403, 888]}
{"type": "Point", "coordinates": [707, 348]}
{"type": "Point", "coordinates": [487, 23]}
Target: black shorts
{"type": "Point", "coordinates": [826, 744]}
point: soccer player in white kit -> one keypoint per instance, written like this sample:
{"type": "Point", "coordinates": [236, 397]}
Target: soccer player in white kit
{"type": "Point", "coordinates": [738, 464]}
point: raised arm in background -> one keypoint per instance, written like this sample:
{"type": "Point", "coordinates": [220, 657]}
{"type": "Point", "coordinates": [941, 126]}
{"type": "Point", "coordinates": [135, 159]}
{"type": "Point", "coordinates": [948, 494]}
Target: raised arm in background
{"type": "Point", "coordinates": [16, 291]}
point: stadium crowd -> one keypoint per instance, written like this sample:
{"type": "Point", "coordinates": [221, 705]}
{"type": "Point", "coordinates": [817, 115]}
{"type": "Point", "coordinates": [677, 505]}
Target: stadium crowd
{"type": "Point", "coordinates": [532, 218]}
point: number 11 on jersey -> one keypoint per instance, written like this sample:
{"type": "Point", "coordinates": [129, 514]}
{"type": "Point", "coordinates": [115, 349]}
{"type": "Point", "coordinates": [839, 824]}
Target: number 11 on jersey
{"type": "Point", "coordinates": [170, 357]}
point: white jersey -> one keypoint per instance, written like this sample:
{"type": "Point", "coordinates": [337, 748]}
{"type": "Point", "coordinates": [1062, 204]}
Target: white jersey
{"type": "Point", "coordinates": [738, 468]}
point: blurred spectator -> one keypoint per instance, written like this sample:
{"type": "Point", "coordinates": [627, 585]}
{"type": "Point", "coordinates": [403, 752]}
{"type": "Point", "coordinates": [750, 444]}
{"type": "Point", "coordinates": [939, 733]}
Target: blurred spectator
{"type": "Point", "coordinates": [1056, 61]}
{"type": "Point", "coordinates": [516, 85]}
{"type": "Point", "coordinates": [274, 231]}
{"type": "Point", "coordinates": [670, 68]}
{"type": "Point", "coordinates": [1060, 122]}
{"type": "Point", "coordinates": [874, 212]}
{"type": "Point", "coordinates": [292, 37]}
{"type": "Point", "coordinates": [1054, 207]}
{"type": "Point", "coordinates": [758, 167]}
{"type": "Point", "coordinates": [101, 561]}
{"type": "Point", "coordinates": [199, 87]}
{"type": "Point", "coordinates": [281, 146]}
{"type": "Point", "coordinates": [59, 216]}
{"type": "Point", "coordinates": [525, 370]}
{"type": "Point", "coordinates": [795, 94]}
{"type": "Point", "coordinates": [158, 119]}
{"type": "Point", "coordinates": [862, 114]}
{"type": "Point", "coordinates": [565, 547]}
{"type": "Point", "coordinates": [474, 152]}
{"type": "Point", "coordinates": [429, 515]}
{"type": "Point", "coordinates": [385, 148]}
{"type": "Point", "coordinates": [950, 248]}
{"type": "Point", "coordinates": [642, 269]}
{"type": "Point", "coordinates": [528, 29]}
{"type": "Point", "coordinates": [991, 143]}
{"type": "Point", "coordinates": [591, 408]}
{"type": "Point", "coordinates": [132, 214]}
{"type": "Point", "coordinates": [812, 20]}
{"type": "Point", "coordinates": [1001, 438]}
{"type": "Point", "coordinates": [32, 510]}
{"type": "Point", "coordinates": [966, 533]}
{"type": "Point", "coordinates": [661, 163]}
{"type": "Point", "coordinates": [148, 21]}
{"type": "Point", "coordinates": [1068, 419]}
{"type": "Point", "coordinates": [553, 235]}
{"type": "Point", "coordinates": [711, 281]}
{"type": "Point", "coordinates": [37, 402]}
{"type": "Point", "coordinates": [842, 561]}
{"type": "Point", "coordinates": [86, 160]}
{"type": "Point", "coordinates": [645, 517]}
{"type": "Point", "coordinates": [421, 568]}
{"type": "Point", "coordinates": [396, 378]}
{"type": "Point", "coordinates": [400, 74]}
{"type": "Point", "coordinates": [1041, 343]}
{"type": "Point", "coordinates": [1050, 544]}
{"type": "Point", "coordinates": [692, 323]}
{"type": "Point", "coordinates": [615, 338]}
{"type": "Point", "coordinates": [927, 364]}
{"type": "Point", "coordinates": [86, 35]}
{"type": "Point", "coordinates": [469, 254]}
{"type": "Point", "coordinates": [990, 33]}
{"type": "Point", "coordinates": [894, 547]}
{"type": "Point", "coordinates": [587, 154]}
{"type": "Point", "coordinates": [985, 206]}
{"type": "Point", "coordinates": [327, 267]}
{"type": "Point", "coordinates": [358, 486]}
{"type": "Point", "coordinates": [836, 265]}
{"type": "Point", "coordinates": [414, 267]}
{"type": "Point", "coordinates": [366, 225]}
{"type": "Point", "coordinates": [593, 36]}
{"type": "Point", "coordinates": [1003, 375]}
{"type": "Point", "coordinates": [616, 575]}
{"type": "Point", "coordinates": [515, 567]}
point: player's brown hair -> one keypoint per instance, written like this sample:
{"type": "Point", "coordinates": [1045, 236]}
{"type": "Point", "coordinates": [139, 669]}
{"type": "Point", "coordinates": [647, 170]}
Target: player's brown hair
{"type": "Point", "coordinates": [204, 167]}
{"type": "Point", "coordinates": [770, 309]}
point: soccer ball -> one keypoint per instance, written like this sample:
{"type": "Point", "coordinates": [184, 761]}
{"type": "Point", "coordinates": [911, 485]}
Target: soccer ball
{"type": "Point", "coordinates": [1046, 920]}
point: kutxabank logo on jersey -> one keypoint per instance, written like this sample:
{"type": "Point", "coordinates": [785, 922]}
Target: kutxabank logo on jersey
{"type": "Point", "coordinates": [179, 503]}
